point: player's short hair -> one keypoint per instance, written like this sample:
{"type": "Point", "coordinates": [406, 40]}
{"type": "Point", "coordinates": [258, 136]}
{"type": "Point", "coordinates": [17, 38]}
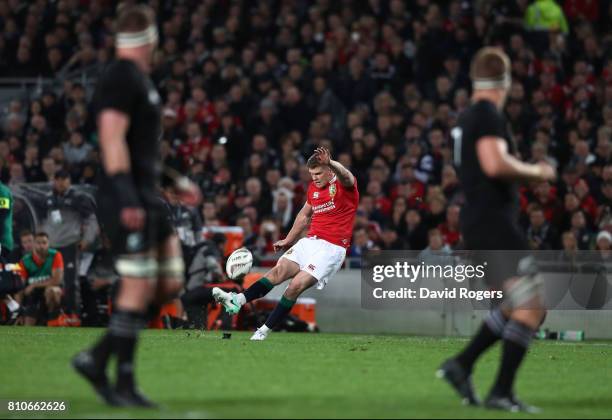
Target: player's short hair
{"type": "Point", "coordinates": [490, 68]}
{"type": "Point", "coordinates": [41, 234]}
{"type": "Point", "coordinates": [25, 232]}
{"type": "Point", "coordinates": [134, 18]}
{"type": "Point", "coordinates": [136, 27]}
{"type": "Point", "coordinates": [313, 162]}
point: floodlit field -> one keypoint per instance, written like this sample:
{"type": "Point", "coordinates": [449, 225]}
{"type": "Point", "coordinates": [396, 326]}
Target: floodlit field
{"type": "Point", "coordinates": [195, 375]}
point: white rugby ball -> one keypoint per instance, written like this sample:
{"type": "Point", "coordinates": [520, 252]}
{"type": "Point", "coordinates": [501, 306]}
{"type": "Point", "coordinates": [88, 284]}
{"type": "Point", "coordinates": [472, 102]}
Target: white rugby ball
{"type": "Point", "coordinates": [239, 263]}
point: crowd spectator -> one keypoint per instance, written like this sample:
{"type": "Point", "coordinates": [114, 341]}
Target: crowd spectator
{"type": "Point", "coordinates": [436, 252]}
{"type": "Point", "coordinates": [569, 246]}
{"type": "Point", "coordinates": [251, 88]}
{"type": "Point", "coordinates": [26, 245]}
{"type": "Point", "coordinates": [604, 244]}
{"type": "Point", "coordinates": [540, 234]}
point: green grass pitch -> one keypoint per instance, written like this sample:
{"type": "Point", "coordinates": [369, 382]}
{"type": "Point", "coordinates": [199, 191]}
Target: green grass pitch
{"type": "Point", "coordinates": [195, 375]}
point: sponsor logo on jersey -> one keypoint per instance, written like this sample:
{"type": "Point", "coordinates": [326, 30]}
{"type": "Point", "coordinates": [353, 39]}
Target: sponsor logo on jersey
{"type": "Point", "coordinates": [322, 208]}
{"type": "Point", "coordinates": [311, 267]}
{"type": "Point", "coordinates": [289, 251]}
{"type": "Point", "coordinates": [5, 203]}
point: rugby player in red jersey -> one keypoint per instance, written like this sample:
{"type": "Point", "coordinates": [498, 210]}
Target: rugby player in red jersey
{"type": "Point", "coordinates": [330, 210]}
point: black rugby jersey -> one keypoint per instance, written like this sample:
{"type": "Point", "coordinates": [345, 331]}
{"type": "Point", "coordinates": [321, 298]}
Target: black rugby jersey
{"type": "Point", "coordinates": [124, 87]}
{"type": "Point", "coordinates": [486, 198]}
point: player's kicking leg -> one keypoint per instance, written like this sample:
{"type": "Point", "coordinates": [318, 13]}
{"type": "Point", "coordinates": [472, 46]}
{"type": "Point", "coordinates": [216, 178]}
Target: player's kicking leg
{"type": "Point", "coordinates": [129, 317]}
{"type": "Point", "coordinates": [282, 271]}
{"type": "Point", "coordinates": [301, 282]}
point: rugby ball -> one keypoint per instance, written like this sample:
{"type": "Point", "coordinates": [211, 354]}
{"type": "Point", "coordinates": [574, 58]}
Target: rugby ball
{"type": "Point", "coordinates": [239, 263]}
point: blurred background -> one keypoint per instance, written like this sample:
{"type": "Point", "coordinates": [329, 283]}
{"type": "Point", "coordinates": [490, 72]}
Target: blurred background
{"type": "Point", "coordinates": [250, 89]}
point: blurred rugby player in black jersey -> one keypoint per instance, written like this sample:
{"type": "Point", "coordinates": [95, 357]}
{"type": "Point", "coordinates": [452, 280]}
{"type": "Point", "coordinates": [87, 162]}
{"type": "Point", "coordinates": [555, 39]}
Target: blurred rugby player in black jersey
{"type": "Point", "coordinates": [489, 172]}
{"type": "Point", "coordinates": [146, 249]}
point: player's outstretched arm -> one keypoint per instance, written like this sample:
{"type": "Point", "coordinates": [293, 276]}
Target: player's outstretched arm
{"type": "Point", "coordinates": [345, 176]}
{"type": "Point", "coordinates": [496, 162]}
{"type": "Point", "coordinates": [301, 222]}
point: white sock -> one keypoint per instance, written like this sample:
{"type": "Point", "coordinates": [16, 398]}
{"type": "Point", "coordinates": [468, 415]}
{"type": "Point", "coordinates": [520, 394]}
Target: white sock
{"type": "Point", "coordinates": [11, 304]}
{"type": "Point", "coordinates": [241, 298]}
{"type": "Point", "coordinates": [264, 329]}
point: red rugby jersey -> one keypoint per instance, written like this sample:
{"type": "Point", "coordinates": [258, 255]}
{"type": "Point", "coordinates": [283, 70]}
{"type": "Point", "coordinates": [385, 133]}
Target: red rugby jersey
{"type": "Point", "coordinates": [334, 207]}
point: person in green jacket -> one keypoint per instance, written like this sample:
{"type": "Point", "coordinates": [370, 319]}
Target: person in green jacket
{"type": "Point", "coordinates": [43, 273]}
{"type": "Point", "coordinates": [546, 15]}
{"type": "Point", "coordinates": [6, 220]}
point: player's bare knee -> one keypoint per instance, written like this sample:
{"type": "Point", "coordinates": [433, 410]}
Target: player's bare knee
{"type": "Point", "coordinates": [294, 290]}
{"type": "Point", "coordinates": [277, 274]}
{"type": "Point", "coordinates": [135, 293]}
{"type": "Point", "coordinates": [538, 317]}
{"type": "Point", "coordinates": [529, 317]}
{"type": "Point", "coordinates": [292, 293]}
{"type": "Point", "coordinates": [138, 276]}
{"type": "Point", "coordinates": [298, 286]}
{"type": "Point", "coordinates": [53, 296]}
{"type": "Point", "coordinates": [171, 276]}
{"type": "Point", "coordinates": [169, 288]}
{"type": "Point", "coordinates": [174, 286]}
{"type": "Point", "coordinates": [272, 274]}
{"type": "Point", "coordinates": [136, 286]}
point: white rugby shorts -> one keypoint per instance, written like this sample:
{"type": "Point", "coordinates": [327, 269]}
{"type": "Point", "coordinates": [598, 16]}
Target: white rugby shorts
{"type": "Point", "coordinates": [317, 257]}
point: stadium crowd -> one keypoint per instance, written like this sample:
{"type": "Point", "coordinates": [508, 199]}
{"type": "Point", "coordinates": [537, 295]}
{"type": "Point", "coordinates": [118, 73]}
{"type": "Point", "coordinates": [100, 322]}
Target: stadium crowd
{"type": "Point", "coordinates": [250, 89]}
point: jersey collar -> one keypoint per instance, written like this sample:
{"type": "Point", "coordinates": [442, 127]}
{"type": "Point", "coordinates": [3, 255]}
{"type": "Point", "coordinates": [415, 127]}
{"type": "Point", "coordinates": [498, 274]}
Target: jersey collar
{"type": "Point", "coordinates": [331, 181]}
